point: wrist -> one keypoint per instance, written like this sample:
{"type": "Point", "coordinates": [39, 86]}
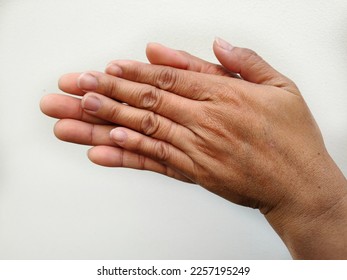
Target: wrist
{"type": "Point", "coordinates": [313, 222]}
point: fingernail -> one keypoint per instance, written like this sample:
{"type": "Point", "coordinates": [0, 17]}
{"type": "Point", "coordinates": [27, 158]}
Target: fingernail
{"type": "Point", "coordinates": [223, 44]}
{"type": "Point", "coordinates": [118, 135]}
{"type": "Point", "coordinates": [87, 81]}
{"type": "Point", "coordinates": [91, 103]}
{"type": "Point", "coordinates": [113, 69]}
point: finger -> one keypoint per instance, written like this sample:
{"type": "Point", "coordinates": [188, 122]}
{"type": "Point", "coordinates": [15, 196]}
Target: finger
{"type": "Point", "coordinates": [155, 149]}
{"type": "Point", "coordinates": [250, 66]}
{"type": "Point", "coordinates": [68, 84]}
{"type": "Point", "coordinates": [79, 132]}
{"type": "Point", "coordinates": [139, 95]}
{"type": "Point", "coordinates": [184, 83]}
{"type": "Point", "coordinates": [61, 106]}
{"type": "Point", "coordinates": [144, 121]}
{"type": "Point", "coordinates": [117, 157]}
{"type": "Point", "coordinates": [161, 55]}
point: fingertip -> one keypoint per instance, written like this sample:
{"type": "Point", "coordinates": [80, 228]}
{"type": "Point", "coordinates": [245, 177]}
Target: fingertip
{"type": "Point", "coordinates": [48, 104]}
{"type": "Point", "coordinates": [104, 155]}
{"type": "Point", "coordinates": [153, 45]}
{"type": "Point", "coordinates": [162, 55]}
{"type": "Point", "coordinates": [222, 44]}
{"type": "Point", "coordinates": [157, 45]}
{"type": "Point", "coordinates": [97, 156]}
{"type": "Point", "coordinates": [65, 79]}
{"type": "Point", "coordinates": [227, 54]}
{"type": "Point", "coordinates": [43, 103]}
{"type": "Point", "coordinates": [113, 69]}
{"type": "Point", "coordinates": [57, 130]}
{"type": "Point", "coordinates": [152, 50]}
{"type": "Point", "coordinates": [68, 83]}
{"type": "Point", "coordinates": [216, 48]}
{"type": "Point", "coordinates": [90, 154]}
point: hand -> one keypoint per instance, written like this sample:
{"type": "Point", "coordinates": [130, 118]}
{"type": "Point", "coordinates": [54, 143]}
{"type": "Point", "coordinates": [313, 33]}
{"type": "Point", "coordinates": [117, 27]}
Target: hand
{"type": "Point", "coordinates": [229, 135]}
{"type": "Point", "coordinates": [78, 126]}
{"type": "Point", "coordinates": [268, 152]}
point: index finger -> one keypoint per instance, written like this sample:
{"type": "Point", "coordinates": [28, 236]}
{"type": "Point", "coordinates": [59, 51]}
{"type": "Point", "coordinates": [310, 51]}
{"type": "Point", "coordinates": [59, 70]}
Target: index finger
{"type": "Point", "coordinates": [185, 83]}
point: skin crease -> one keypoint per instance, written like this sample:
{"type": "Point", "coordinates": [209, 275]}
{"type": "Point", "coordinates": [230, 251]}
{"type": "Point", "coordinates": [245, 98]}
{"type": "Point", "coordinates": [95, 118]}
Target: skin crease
{"type": "Point", "coordinates": [252, 141]}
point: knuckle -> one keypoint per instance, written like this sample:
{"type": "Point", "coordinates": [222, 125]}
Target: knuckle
{"type": "Point", "coordinates": [141, 162]}
{"type": "Point", "coordinates": [121, 158]}
{"type": "Point", "coordinates": [113, 113]}
{"type": "Point", "coordinates": [150, 124]}
{"type": "Point", "coordinates": [161, 151]}
{"type": "Point", "coordinates": [110, 87]}
{"type": "Point", "coordinates": [167, 78]}
{"type": "Point", "coordinates": [233, 96]}
{"type": "Point", "coordinates": [149, 98]}
{"type": "Point", "coordinates": [92, 135]}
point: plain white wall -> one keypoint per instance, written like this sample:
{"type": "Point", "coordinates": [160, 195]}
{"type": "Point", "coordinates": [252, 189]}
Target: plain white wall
{"type": "Point", "coordinates": [54, 203]}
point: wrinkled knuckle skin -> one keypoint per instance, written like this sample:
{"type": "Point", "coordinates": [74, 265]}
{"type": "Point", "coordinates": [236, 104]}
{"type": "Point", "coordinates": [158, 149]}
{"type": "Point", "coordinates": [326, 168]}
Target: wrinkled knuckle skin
{"type": "Point", "coordinates": [110, 88]}
{"type": "Point", "coordinates": [113, 113]}
{"type": "Point", "coordinates": [92, 135]}
{"type": "Point", "coordinates": [149, 98]}
{"type": "Point", "coordinates": [161, 151]}
{"type": "Point", "coordinates": [167, 78]}
{"type": "Point", "coordinates": [141, 162]}
{"type": "Point", "coordinates": [150, 124]}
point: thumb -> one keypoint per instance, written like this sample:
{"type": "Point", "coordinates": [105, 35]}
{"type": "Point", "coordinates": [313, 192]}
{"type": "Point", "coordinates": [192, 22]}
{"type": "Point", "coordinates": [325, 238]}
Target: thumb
{"type": "Point", "coordinates": [250, 66]}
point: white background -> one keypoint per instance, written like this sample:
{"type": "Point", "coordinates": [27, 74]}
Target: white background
{"type": "Point", "coordinates": [55, 204]}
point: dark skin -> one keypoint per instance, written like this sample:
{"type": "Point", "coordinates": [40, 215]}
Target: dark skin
{"type": "Point", "coordinates": [241, 130]}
